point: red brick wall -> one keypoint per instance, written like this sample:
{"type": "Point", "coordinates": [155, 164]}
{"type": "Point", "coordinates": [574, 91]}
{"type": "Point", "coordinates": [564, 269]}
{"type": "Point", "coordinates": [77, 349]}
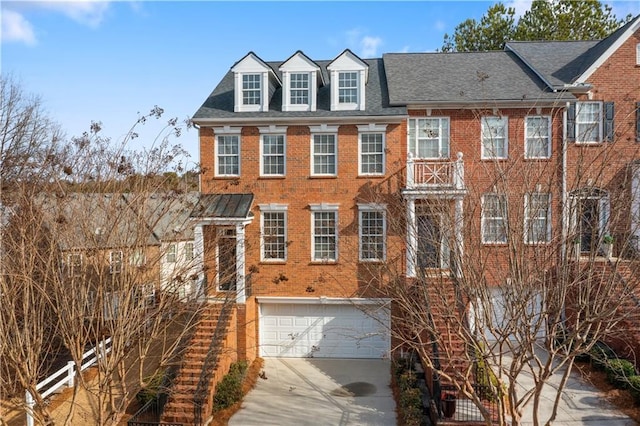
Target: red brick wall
{"type": "Point", "coordinates": [606, 165]}
{"type": "Point", "coordinates": [298, 189]}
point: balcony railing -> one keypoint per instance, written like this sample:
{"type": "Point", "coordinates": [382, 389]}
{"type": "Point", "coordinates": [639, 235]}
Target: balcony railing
{"type": "Point", "coordinates": [425, 174]}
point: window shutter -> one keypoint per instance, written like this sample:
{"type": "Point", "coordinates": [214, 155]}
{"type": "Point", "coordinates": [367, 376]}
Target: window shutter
{"type": "Point", "coordinates": [608, 121]}
{"type": "Point", "coordinates": [571, 122]}
{"type": "Point", "coordinates": [638, 121]}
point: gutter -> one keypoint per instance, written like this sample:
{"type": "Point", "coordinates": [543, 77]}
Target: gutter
{"type": "Point", "coordinates": [251, 121]}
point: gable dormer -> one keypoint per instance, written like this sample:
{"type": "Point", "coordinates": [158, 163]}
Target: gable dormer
{"type": "Point", "coordinates": [301, 78]}
{"type": "Point", "coordinates": [349, 76]}
{"type": "Point", "coordinates": [254, 82]}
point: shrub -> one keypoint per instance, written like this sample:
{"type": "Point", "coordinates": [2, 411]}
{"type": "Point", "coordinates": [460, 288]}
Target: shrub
{"type": "Point", "coordinates": [229, 390]}
{"type": "Point", "coordinates": [411, 403]}
{"type": "Point", "coordinates": [634, 388]}
{"type": "Point", "coordinates": [619, 371]}
{"type": "Point", "coordinates": [151, 391]}
{"type": "Point", "coordinates": [600, 354]}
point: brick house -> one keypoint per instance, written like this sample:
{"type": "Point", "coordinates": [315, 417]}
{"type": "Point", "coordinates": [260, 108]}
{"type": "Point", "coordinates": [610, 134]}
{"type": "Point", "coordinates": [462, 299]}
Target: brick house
{"type": "Point", "coordinates": [315, 170]}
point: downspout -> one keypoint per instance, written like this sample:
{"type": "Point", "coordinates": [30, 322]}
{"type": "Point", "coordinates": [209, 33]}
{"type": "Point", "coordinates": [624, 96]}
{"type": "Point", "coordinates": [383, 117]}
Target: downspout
{"type": "Point", "coordinates": [565, 207]}
{"type": "Point", "coordinates": [199, 158]}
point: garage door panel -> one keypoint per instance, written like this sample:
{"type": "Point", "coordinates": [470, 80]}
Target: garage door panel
{"type": "Point", "coordinates": [334, 330]}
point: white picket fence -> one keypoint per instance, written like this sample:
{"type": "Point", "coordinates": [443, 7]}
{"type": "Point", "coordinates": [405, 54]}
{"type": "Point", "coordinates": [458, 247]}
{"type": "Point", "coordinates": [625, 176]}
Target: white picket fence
{"type": "Point", "coordinates": [66, 375]}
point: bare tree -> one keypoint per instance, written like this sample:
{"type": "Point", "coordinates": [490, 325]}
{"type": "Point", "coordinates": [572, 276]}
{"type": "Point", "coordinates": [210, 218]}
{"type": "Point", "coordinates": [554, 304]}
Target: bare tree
{"type": "Point", "coordinates": [500, 283]}
{"type": "Point", "coordinates": [82, 258]}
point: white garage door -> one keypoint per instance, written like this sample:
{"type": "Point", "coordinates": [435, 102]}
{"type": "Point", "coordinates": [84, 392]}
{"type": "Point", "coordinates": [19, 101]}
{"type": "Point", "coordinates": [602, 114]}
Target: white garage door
{"type": "Point", "coordinates": [324, 330]}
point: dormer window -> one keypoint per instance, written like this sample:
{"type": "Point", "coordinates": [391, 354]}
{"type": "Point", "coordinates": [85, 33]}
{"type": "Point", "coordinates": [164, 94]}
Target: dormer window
{"type": "Point", "coordinates": [254, 82]}
{"type": "Point", "coordinates": [348, 87]}
{"type": "Point", "coordinates": [299, 89]}
{"type": "Point", "coordinates": [300, 81]}
{"type": "Point", "coordinates": [348, 80]}
{"type": "Point", "coordinates": [251, 89]}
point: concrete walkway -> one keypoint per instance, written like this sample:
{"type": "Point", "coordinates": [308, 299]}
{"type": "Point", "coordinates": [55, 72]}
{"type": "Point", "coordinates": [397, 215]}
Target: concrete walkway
{"type": "Point", "coordinates": [309, 391]}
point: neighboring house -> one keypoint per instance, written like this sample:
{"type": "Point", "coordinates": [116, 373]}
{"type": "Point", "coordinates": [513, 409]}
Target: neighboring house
{"type": "Point", "coordinates": [301, 159]}
{"type": "Point", "coordinates": [137, 240]}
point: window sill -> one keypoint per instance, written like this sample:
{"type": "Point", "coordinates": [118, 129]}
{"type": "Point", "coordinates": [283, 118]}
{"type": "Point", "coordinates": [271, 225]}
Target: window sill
{"type": "Point", "coordinates": [323, 176]}
{"type": "Point", "coordinates": [589, 143]}
{"type": "Point", "coordinates": [267, 177]}
{"type": "Point", "coordinates": [371, 261]}
{"type": "Point", "coordinates": [501, 159]}
{"type": "Point", "coordinates": [537, 158]}
{"type": "Point", "coordinates": [376, 176]}
{"type": "Point", "coordinates": [323, 262]}
{"type": "Point", "coordinates": [273, 262]}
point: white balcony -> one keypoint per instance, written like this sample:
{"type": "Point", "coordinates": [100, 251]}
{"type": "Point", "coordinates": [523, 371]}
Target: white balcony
{"type": "Point", "coordinates": [433, 175]}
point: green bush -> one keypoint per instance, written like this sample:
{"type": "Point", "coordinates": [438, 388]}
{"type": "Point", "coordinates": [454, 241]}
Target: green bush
{"type": "Point", "coordinates": [229, 390]}
{"type": "Point", "coordinates": [600, 354]}
{"type": "Point", "coordinates": [152, 390]}
{"type": "Point", "coordinates": [619, 371]}
{"type": "Point", "coordinates": [634, 388]}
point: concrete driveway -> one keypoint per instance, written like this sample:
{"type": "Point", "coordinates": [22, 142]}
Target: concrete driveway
{"type": "Point", "coordinates": [312, 391]}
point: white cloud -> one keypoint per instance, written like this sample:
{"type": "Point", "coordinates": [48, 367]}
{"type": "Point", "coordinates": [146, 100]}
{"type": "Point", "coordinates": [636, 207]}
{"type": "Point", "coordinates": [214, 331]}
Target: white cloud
{"type": "Point", "coordinates": [15, 28]}
{"type": "Point", "coordinates": [440, 25]}
{"type": "Point", "coordinates": [86, 12]}
{"type": "Point", "coordinates": [364, 45]}
{"type": "Point", "coordinates": [369, 46]}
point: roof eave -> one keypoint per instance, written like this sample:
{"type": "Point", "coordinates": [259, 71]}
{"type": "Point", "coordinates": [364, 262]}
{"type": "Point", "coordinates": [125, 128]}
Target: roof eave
{"type": "Point", "coordinates": [490, 103]}
{"type": "Point", "coordinates": [300, 120]}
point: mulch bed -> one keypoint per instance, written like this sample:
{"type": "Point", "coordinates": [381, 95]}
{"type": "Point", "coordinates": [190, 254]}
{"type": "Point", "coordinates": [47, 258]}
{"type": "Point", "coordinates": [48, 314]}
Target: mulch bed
{"type": "Point", "coordinates": [618, 397]}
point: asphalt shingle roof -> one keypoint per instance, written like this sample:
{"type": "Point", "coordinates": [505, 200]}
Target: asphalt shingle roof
{"type": "Point", "coordinates": [463, 78]}
{"type": "Point", "coordinates": [220, 103]}
{"type": "Point", "coordinates": [562, 62]}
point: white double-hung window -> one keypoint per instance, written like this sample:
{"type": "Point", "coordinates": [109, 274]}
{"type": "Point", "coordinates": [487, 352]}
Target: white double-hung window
{"type": "Point", "coordinates": [371, 148]}
{"type": "Point", "coordinates": [537, 137]}
{"type": "Point", "coordinates": [372, 232]}
{"type": "Point", "coordinates": [251, 89]}
{"type": "Point", "coordinates": [272, 150]}
{"type": "Point", "coordinates": [429, 137]}
{"type": "Point", "coordinates": [324, 232]}
{"type": "Point", "coordinates": [495, 137]}
{"type": "Point", "coordinates": [227, 151]}
{"type": "Point", "coordinates": [299, 88]}
{"type": "Point", "coordinates": [494, 218]}
{"type": "Point", "coordinates": [324, 150]}
{"type": "Point", "coordinates": [537, 218]}
{"type": "Point", "coordinates": [273, 226]}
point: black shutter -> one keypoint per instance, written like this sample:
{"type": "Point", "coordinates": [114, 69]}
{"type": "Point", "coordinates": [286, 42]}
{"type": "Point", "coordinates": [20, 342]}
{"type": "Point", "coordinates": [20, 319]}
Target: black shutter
{"type": "Point", "coordinates": [571, 122]}
{"type": "Point", "coordinates": [608, 129]}
{"type": "Point", "coordinates": [638, 121]}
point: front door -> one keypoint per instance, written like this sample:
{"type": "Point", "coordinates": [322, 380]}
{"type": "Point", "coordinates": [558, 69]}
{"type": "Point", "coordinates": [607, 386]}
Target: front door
{"type": "Point", "coordinates": [433, 251]}
{"type": "Point", "coordinates": [589, 224]}
{"type": "Point", "coordinates": [226, 259]}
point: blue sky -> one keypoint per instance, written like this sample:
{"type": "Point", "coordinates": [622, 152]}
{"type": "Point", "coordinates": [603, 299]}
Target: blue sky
{"type": "Point", "coordinates": [110, 61]}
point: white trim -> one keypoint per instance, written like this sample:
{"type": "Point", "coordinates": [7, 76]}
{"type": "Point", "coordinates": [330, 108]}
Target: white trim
{"type": "Point", "coordinates": [312, 160]}
{"type": "Point", "coordinates": [504, 219]}
{"type": "Point", "coordinates": [227, 130]}
{"type": "Point", "coordinates": [318, 207]}
{"type": "Point", "coordinates": [323, 300]}
{"type": "Point", "coordinates": [276, 208]}
{"type": "Point", "coordinates": [600, 137]}
{"type": "Point", "coordinates": [324, 208]}
{"type": "Point", "coordinates": [528, 219]}
{"type": "Point", "coordinates": [373, 208]}
{"type": "Point", "coordinates": [262, 154]}
{"type": "Point", "coordinates": [442, 152]}
{"type": "Point", "coordinates": [377, 130]}
{"type": "Point", "coordinates": [216, 154]}
{"type": "Point", "coordinates": [638, 54]}
{"type": "Point", "coordinates": [297, 121]}
{"type": "Point", "coordinates": [324, 128]}
{"type": "Point", "coordinates": [605, 56]}
{"type": "Point", "coordinates": [273, 207]}
{"type": "Point", "coordinates": [526, 137]}
{"type": "Point", "coordinates": [505, 123]}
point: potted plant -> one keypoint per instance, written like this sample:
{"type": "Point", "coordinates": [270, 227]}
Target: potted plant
{"type": "Point", "coordinates": [448, 405]}
{"type": "Point", "coordinates": [607, 246]}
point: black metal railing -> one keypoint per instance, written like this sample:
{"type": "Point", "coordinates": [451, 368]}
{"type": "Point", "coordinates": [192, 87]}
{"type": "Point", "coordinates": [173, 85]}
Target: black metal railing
{"type": "Point", "coordinates": [151, 412]}
{"type": "Point", "coordinates": [210, 362]}
{"type": "Point", "coordinates": [456, 409]}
